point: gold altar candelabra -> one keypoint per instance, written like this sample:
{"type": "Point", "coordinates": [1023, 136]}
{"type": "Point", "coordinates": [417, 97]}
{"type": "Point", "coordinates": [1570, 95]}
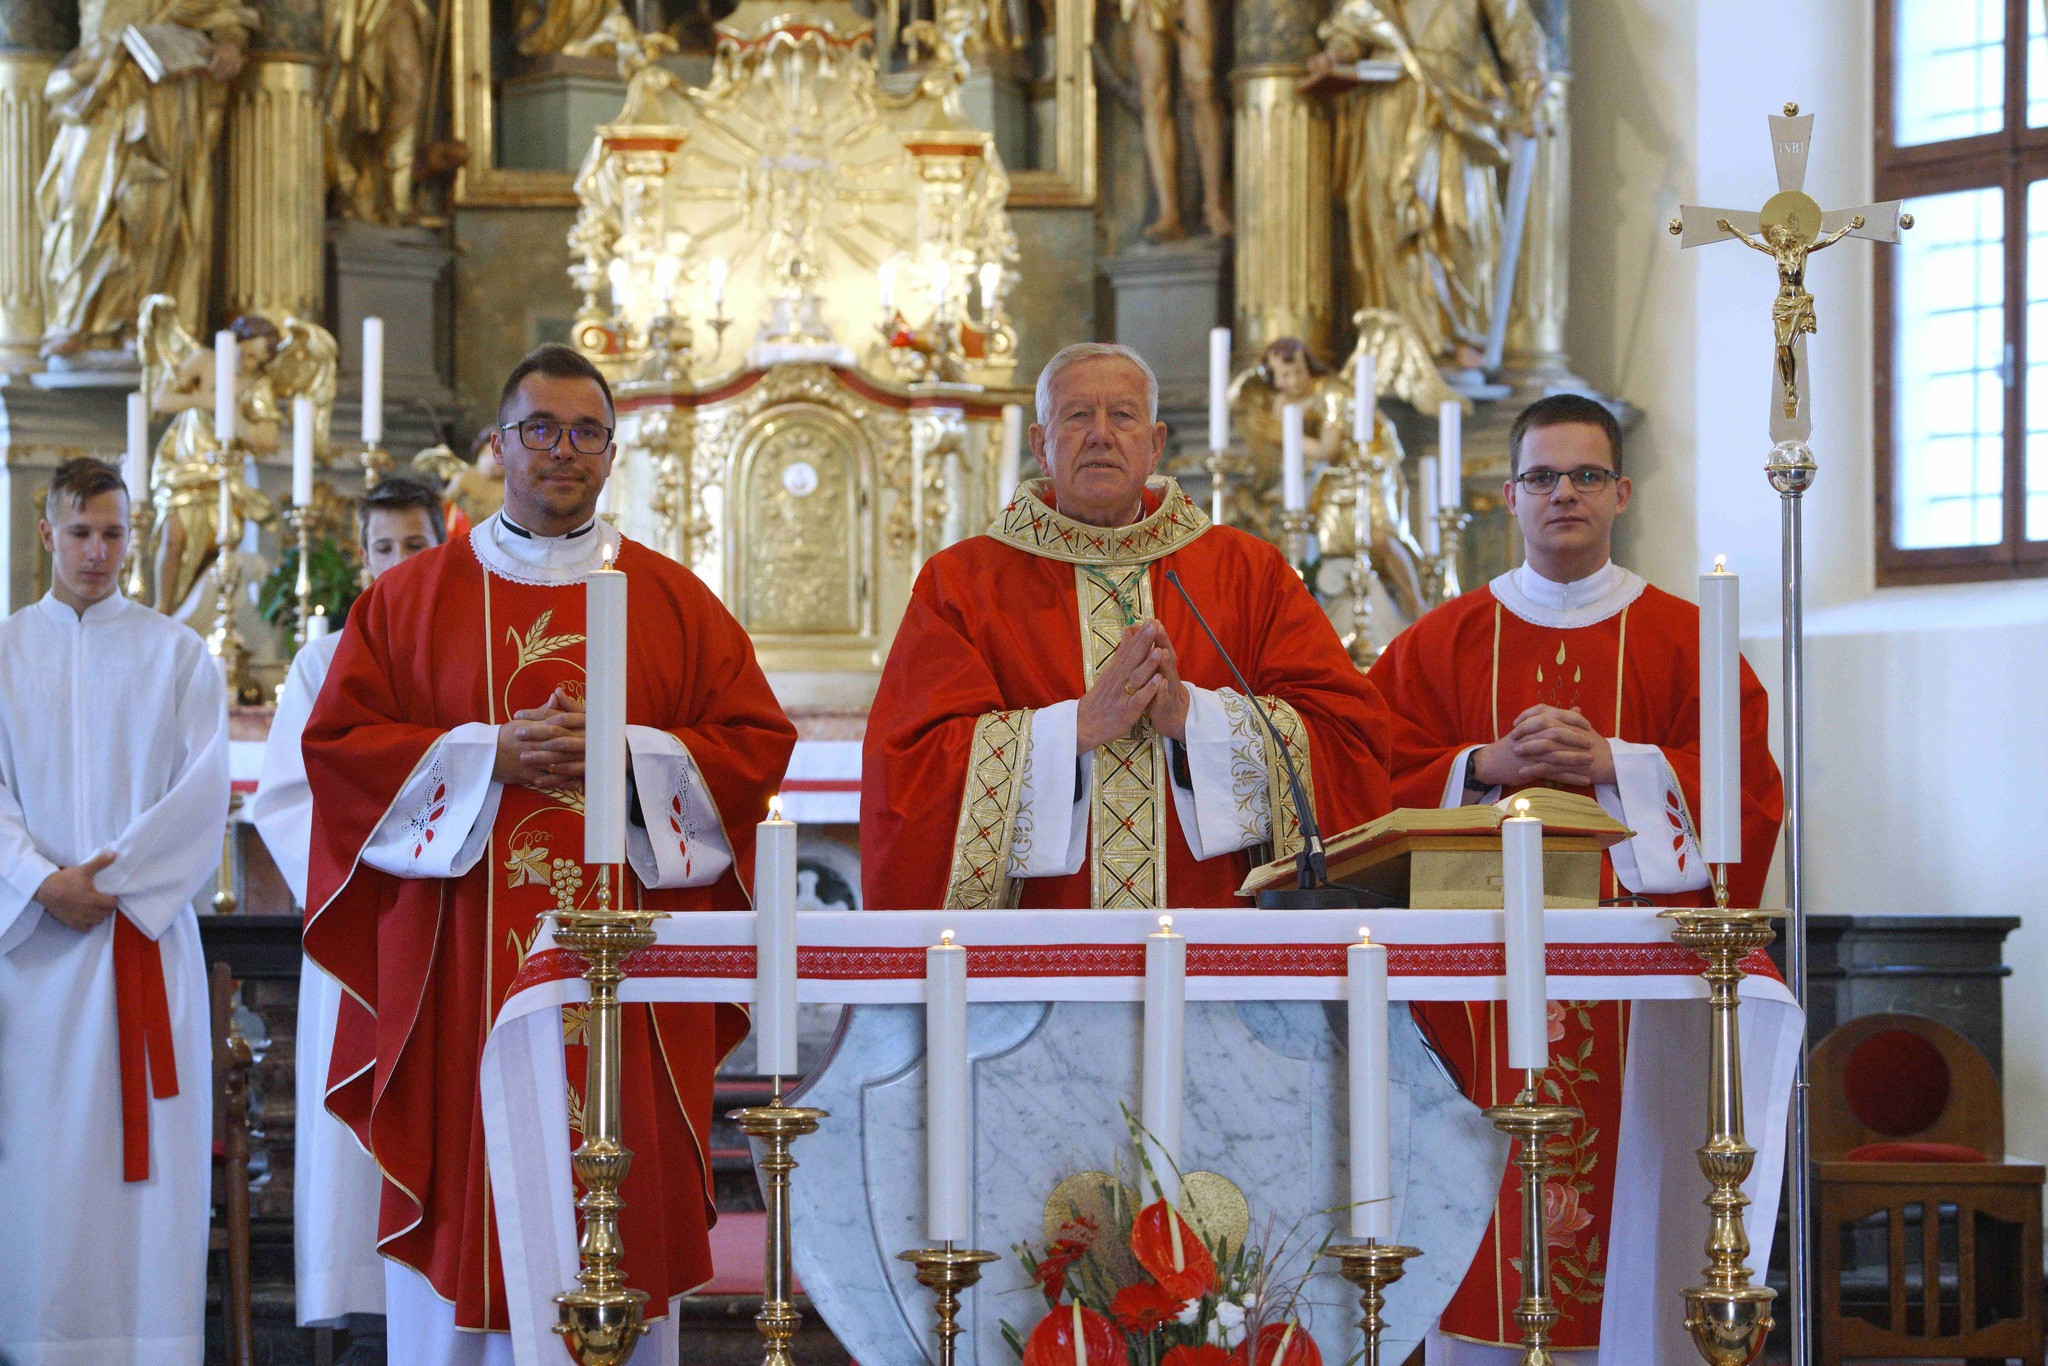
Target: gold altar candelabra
{"type": "Point", "coordinates": [1440, 577]}
{"type": "Point", "coordinates": [1297, 535]}
{"type": "Point", "coordinates": [301, 519]}
{"type": "Point", "coordinates": [1728, 1317]}
{"type": "Point", "coordinates": [375, 461]}
{"type": "Point", "coordinates": [776, 1126]}
{"type": "Point", "coordinates": [225, 642]}
{"type": "Point", "coordinates": [601, 1320]}
{"type": "Point", "coordinates": [1367, 466]}
{"type": "Point", "coordinates": [947, 1270]}
{"type": "Point", "coordinates": [1372, 1266]}
{"type": "Point", "coordinates": [141, 521]}
{"type": "Point", "coordinates": [1534, 1124]}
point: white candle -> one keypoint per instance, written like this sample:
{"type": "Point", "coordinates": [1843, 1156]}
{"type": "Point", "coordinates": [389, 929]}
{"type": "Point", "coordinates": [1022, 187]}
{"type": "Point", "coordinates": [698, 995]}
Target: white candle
{"type": "Point", "coordinates": [948, 1218]}
{"type": "Point", "coordinates": [1426, 504]}
{"type": "Point", "coordinates": [715, 274]}
{"type": "Point", "coordinates": [135, 469]}
{"type": "Point", "coordinates": [1372, 1184]}
{"type": "Point", "coordinates": [316, 625]}
{"type": "Point", "coordinates": [1521, 854]}
{"type": "Point", "coordinates": [373, 381]}
{"type": "Point", "coordinates": [991, 276]}
{"type": "Point", "coordinates": [1219, 388]}
{"type": "Point", "coordinates": [1450, 422]}
{"type": "Point", "coordinates": [604, 721]}
{"type": "Point", "coordinates": [1720, 707]}
{"type": "Point", "coordinates": [1013, 453]}
{"type": "Point", "coordinates": [302, 451]}
{"type": "Point", "coordinates": [885, 281]}
{"type": "Point", "coordinates": [227, 358]}
{"type": "Point", "coordinates": [1166, 1004]}
{"type": "Point", "coordinates": [1364, 400]}
{"type": "Point", "coordinates": [775, 944]}
{"type": "Point", "coordinates": [1293, 467]}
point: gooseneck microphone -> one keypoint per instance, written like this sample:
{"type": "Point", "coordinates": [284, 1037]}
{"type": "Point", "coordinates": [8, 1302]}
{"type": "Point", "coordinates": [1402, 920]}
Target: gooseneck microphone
{"type": "Point", "coordinates": [1312, 888]}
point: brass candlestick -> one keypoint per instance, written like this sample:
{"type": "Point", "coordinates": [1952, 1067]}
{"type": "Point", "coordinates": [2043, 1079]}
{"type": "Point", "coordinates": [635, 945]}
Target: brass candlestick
{"type": "Point", "coordinates": [141, 521]}
{"type": "Point", "coordinates": [1728, 1317]}
{"type": "Point", "coordinates": [301, 519]}
{"type": "Point", "coordinates": [375, 460]}
{"type": "Point", "coordinates": [1296, 537]}
{"type": "Point", "coordinates": [1372, 1267]}
{"type": "Point", "coordinates": [1533, 1124]}
{"type": "Point", "coordinates": [600, 1320]}
{"type": "Point", "coordinates": [1444, 582]}
{"type": "Point", "coordinates": [948, 1271]}
{"type": "Point", "coordinates": [777, 1125]}
{"type": "Point", "coordinates": [225, 642]}
{"type": "Point", "coordinates": [1366, 467]}
{"type": "Point", "coordinates": [1218, 465]}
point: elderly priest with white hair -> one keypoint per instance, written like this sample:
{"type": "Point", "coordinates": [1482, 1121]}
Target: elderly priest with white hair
{"type": "Point", "coordinates": [1055, 729]}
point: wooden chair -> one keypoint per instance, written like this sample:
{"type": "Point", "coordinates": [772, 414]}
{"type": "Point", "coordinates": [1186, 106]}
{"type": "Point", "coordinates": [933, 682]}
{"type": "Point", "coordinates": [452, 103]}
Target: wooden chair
{"type": "Point", "coordinates": [1914, 1183]}
{"type": "Point", "coordinates": [229, 1236]}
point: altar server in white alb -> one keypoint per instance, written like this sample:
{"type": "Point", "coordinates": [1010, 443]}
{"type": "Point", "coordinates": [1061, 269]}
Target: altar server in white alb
{"type": "Point", "coordinates": [334, 1183]}
{"type": "Point", "coordinates": [113, 793]}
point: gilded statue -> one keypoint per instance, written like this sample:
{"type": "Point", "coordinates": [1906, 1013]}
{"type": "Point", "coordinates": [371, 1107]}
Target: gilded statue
{"type": "Point", "coordinates": [1420, 161]}
{"type": "Point", "coordinates": [275, 366]}
{"type": "Point", "coordinates": [1162, 30]}
{"type": "Point", "coordinates": [1789, 241]}
{"type": "Point", "coordinates": [126, 197]}
{"type": "Point", "coordinates": [375, 84]}
{"type": "Point", "coordinates": [574, 28]}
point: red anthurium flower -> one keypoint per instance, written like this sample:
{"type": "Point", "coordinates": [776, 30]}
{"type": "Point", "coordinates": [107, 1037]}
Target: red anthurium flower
{"type": "Point", "coordinates": [1076, 1237]}
{"type": "Point", "coordinates": [1208, 1354]}
{"type": "Point", "coordinates": [1169, 1249]}
{"type": "Point", "coordinates": [1285, 1344]}
{"type": "Point", "coordinates": [1073, 1336]}
{"type": "Point", "coordinates": [1143, 1307]}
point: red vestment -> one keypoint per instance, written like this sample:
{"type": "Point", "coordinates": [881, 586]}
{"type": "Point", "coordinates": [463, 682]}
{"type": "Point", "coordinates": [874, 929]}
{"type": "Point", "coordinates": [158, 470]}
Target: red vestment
{"type": "Point", "coordinates": [1459, 677]}
{"type": "Point", "coordinates": [1001, 624]}
{"type": "Point", "coordinates": [436, 643]}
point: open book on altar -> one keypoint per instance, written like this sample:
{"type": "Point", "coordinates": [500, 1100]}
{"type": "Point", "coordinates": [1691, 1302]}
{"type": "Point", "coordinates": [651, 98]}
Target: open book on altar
{"type": "Point", "coordinates": [1450, 856]}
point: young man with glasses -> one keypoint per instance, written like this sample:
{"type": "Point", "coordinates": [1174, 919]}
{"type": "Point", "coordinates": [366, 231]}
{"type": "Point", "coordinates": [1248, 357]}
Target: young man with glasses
{"type": "Point", "coordinates": [445, 756]}
{"type": "Point", "coordinates": [1568, 672]}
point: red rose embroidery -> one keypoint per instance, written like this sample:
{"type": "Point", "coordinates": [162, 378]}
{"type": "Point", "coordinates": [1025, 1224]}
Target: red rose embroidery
{"type": "Point", "coordinates": [1562, 1217]}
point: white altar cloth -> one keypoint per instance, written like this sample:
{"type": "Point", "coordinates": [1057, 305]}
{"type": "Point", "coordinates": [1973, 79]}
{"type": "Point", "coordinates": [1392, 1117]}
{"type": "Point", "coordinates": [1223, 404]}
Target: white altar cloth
{"type": "Point", "coordinates": [1619, 953]}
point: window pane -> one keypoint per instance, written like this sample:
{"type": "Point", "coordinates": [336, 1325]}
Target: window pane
{"type": "Point", "coordinates": [2037, 63]}
{"type": "Point", "coordinates": [2037, 360]}
{"type": "Point", "coordinates": [1950, 70]}
{"type": "Point", "coordinates": [1949, 447]}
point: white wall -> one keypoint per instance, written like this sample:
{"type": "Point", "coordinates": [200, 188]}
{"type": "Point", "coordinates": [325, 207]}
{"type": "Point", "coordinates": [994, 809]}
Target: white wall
{"type": "Point", "coordinates": [1927, 730]}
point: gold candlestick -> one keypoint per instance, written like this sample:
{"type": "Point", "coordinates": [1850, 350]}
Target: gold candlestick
{"type": "Point", "coordinates": [600, 1320]}
{"type": "Point", "coordinates": [375, 460]}
{"type": "Point", "coordinates": [1366, 468]}
{"type": "Point", "coordinates": [225, 642]}
{"type": "Point", "coordinates": [301, 519]}
{"type": "Point", "coordinates": [141, 521]}
{"type": "Point", "coordinates": [1372, 1266]}
{"type": "Point", "coordinates": [777, 1126]}
{"type": "Point", "coordinates": [1728, 1317]}
{"type": "Point", "coordinates": [1443, 578]}
{"type": "Point", "coordinates": [1296, 537]}
{"type": "Point", "coordinates": [1533, 1124]}
{"type": "Point", "coordinates": [1219, 486]}
{"type": "Point", "coordinates": [948, 1271]}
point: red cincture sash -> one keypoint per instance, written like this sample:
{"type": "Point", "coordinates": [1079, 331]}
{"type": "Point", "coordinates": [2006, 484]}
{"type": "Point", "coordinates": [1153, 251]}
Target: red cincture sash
{"type": "Point", "coordinates": [142, 1017]}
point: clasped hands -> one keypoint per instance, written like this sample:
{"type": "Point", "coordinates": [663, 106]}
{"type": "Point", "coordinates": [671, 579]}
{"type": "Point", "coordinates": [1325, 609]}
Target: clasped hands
{"type": "Point", "coordinates": [69, 895]}
{"type": "Point", "coordinates": [1547, 745]}
{"type": "Point", "coordinates": [1141, 679]}
{"type": "Point", "coordinates": [542, 747]}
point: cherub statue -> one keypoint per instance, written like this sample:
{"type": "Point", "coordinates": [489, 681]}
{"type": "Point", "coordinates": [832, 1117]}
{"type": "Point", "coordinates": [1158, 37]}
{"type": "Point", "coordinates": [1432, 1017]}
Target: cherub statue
{"type": "Point", "coordinates": [1789, 242]}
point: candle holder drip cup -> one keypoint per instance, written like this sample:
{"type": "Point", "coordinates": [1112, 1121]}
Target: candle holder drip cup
{"type": "Point", "coordinates": [1372, 1266]}
{"type": "Point", "coordinates": [947, 1271]}
{"type": "Point", "coordinates": [1533, 1124]}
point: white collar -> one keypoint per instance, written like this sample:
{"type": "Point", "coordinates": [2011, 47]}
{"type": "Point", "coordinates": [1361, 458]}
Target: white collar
{"type": "Point", "coordinates": [99, 613]}
{"type": "Point", "coordinates": [1567, 606]}
{"type": "Point", "coordinates": [547, 561]}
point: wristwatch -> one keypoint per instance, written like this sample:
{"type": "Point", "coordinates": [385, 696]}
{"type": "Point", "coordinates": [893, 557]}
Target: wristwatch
{"type": "Point", "coordinates": [1473, 782]}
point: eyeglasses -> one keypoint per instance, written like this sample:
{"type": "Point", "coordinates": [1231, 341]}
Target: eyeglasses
{"type": "Point", "coordinates": [544, 434]}
{"type": "Point", "coordinates": [1586, 479]}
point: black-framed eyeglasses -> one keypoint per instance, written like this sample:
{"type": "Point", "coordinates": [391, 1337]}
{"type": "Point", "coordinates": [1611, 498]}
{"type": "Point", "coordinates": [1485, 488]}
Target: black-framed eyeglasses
{"type": "Point", "coordinates": [1586, 479]}
{"type": "Point", "coordinates": [544, 434]}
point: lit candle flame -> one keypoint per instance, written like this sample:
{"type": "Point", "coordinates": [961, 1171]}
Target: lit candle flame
{"type": "Point", "coordinates": [1365, 935]}
{"type": "Point", "coordinates": [1521, 806]}
{"type": "Point", "coordinates": [607, 557]}
{"type": "Point", "coordinates": [1166, 924]}
{"type": "Point", "coordinates": [1720, 564]}
{"type": "Point", "coordinates": [945, 939]}
{"type": "Point", "coordinates": [775, 807]}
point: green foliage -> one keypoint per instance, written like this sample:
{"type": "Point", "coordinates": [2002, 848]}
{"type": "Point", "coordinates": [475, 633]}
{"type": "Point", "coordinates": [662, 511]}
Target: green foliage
{"type": "Point", "coordinates": [335, 586]}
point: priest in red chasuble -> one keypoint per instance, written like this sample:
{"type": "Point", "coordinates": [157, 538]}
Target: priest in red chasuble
{"type": "Point", "coordinates": [445, 756]}
{"type": "Point", "coordinates": [1568, 672]}
{"type": "Point", "coordinates": [1054, 729]}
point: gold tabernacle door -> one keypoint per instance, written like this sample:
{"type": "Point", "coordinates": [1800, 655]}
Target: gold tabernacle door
{"type": "Point", "coordinates": [1450, 857]}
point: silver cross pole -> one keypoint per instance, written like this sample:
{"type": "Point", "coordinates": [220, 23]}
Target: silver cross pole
{"type": "Point", "coordinates": [1789, 229]}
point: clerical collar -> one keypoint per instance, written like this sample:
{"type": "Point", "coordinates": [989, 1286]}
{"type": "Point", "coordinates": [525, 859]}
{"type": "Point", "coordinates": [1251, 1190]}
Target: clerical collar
{"type": "Point", "coordinates": [512, 552]}
{"type": "Point", "coordinates": [1567, 606]}
{"type": "Point", "coordinates": [1033, 525]}
{"type": "Point", "coordinates": [106, 609]}
{"type": "Point", "coordinates": [518, 530]}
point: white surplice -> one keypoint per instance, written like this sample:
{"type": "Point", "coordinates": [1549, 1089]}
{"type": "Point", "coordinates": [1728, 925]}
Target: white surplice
{"type": "Point", "coordinates": [335, 1186]}
{"type": "Point", "coordinates": [113, 737]}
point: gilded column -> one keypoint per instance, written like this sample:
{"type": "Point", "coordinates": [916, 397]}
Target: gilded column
{"type": "Point", "coordinates": [1535, 354]}
{"type": "Point", "coordinates": [1282, 180]}
{"type": "Point", "coordinates": [34, 36]}
{"type": "Point", "coordinates": [277, 180]}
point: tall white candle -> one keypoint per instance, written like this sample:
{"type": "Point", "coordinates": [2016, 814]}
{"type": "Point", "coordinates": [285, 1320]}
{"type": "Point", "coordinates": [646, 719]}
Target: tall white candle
{"type": "Point", "coordinates": [885, 283]}
{"type": "Point", "coordinates": [775, 944]}
{"type": "Point", "coordinates": [1364, 400]}
{"type": "Point", "coordinates": [1372, 1184]}
{"type": "Point", "coordinates": [1450, 469]}
{"type": "Point", "coordinates": [227, 359]}
{"type": "Point", "coordinates": [604, 722]}
{"type": "Point", "coordinates": [373, 381]}
{"type": "Point", "coordinates": [135, 468]}
{"type": "Point", "coordinates": [1165, 1069]}
{"type": "Point", "coordinates": [1013, 453]}
{"type": "Point", "coordinates": [317, 624]}
{"type": "Point", "coordinates": [1293, 465]}
{"type": "Point", "coordinates": [1219, 388]}
{"type": "Point", "coordinates": [1521, 854]}
{"type": "Point", "coordinates": [302, 451]}
{"type": "Point", "coordinates": [991, 279]}
{"type": "Point", "coordinates": [1426, 504]}
{"type": "Point", "coordinates": [715, 274]}
{"type": "Point", "coordinates": [948, 1217]}
{"type": "Point", "coordinates": [1720, 707]}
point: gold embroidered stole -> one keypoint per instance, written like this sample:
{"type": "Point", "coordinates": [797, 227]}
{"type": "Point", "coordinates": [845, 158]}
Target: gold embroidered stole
{"type": "Point", "coordinates": [989, 829]}
{"type": "Point", "coordinates": [1127, 800]}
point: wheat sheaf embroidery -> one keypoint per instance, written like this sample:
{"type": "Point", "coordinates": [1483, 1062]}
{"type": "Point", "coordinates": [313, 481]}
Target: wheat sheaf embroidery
{"type": "Point", "coordinates": [537, 644]}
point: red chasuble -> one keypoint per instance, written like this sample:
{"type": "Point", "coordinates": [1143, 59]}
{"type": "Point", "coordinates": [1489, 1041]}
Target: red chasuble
{"type": "Point", "coordinates": [436, 643]}
{"type": "Point", "coordinates": [1459, 677]}
{"type": "Point", "coordinates": [1020, 618]}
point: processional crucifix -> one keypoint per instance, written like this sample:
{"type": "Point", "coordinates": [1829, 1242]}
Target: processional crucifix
{"type": "Point", "coordinates": [1790, 228]}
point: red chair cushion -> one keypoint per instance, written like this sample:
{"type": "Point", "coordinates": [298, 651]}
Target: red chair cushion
{"type": "Point", "coordinates": [1913, 1152]}
{"type": "Point", "coordinates": [1896, 1083]}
